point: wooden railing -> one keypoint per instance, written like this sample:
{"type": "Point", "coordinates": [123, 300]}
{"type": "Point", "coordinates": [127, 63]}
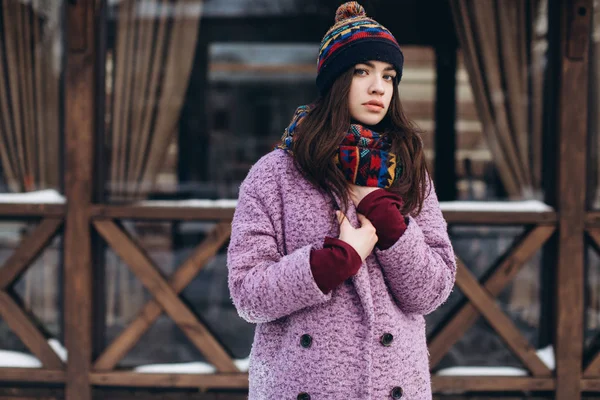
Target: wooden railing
{"type": "Point", "coordinates": [81, 217]}
{"type": "Point", "coordinates": [481, 302]}
{"type": "Point", "coordinates": [104, 219]}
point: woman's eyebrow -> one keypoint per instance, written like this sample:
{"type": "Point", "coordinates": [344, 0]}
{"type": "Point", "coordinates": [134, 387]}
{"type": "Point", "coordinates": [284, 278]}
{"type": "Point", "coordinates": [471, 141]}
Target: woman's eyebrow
{"type": "Point", "coordinates": [370, 64]}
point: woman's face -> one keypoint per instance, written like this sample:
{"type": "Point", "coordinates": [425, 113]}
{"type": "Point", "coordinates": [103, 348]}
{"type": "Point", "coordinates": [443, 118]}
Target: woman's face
{"type": "Point", "coordinates": [371, 91]}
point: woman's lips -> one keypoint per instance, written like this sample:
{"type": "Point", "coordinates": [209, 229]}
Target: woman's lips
{"type": "Point", "coordinates": [372, 106]}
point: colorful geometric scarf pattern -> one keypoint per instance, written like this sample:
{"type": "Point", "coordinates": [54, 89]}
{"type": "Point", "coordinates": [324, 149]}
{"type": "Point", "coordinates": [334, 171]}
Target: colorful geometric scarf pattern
{"type": "Point", "coordinates": [364, 155]}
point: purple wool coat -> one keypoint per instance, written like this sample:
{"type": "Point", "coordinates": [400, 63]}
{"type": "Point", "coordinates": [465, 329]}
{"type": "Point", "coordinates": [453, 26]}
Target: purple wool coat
{"type": "Point", "coordinates": [363, 340]}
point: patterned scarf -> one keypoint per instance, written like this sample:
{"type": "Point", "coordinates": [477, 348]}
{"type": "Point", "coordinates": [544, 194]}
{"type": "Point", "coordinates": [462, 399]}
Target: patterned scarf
{"type": "Point", "coordinates": [363, 156]}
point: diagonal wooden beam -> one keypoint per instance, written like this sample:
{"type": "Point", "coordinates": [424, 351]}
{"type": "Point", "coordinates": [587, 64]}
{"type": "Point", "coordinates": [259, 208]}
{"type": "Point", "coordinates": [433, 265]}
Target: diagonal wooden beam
{"type": "Point", "coordinates": [507, 268]}
{"type": "Point", "coordinates": [594, 234]}
{"type": "Point", "coordinates": [28, 250]}
{"type": "Point", "coordinates": [141, 265]}
{"type": "Point", "coordinates": [593, 368]}
{"type": "Point", "coordinates": [503, 325]}
{"type": "Point", "coordinates": [26, 330]}
{"type": "Point", "coordinates": [152, 309]}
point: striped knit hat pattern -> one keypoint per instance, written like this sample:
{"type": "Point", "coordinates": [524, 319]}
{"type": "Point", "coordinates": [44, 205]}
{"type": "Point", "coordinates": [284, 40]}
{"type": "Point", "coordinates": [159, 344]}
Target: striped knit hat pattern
{"type": "Point", "coordinates": [355, 38]}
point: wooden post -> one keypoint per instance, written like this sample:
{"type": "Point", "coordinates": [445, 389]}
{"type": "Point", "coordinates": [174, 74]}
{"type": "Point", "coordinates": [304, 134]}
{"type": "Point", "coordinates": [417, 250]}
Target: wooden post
{"type": "Point", "coordinates": [574, 28]}
{"type": "Point", "coordinates": [79, 135]}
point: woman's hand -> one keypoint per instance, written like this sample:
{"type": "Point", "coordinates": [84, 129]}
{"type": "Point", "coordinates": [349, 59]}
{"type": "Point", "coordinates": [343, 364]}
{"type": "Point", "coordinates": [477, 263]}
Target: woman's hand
{"type": "Point", "coordinates": [362, 239]}
{"type": "Point", "coordinates": [357, 193]}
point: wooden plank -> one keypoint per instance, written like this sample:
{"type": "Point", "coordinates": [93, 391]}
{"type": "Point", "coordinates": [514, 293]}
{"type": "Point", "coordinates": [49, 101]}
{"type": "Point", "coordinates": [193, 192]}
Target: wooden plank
{"type": "Point", "coordinates": [28, 398]}
{"type": "Point", "coordinates": [20, 393]}
{"type": "Point", "coordinates": [26, 330]}
{"type": "Point", "coordinates": [141, 265]}
{"type": "Point", "coordinates": [590, 385]}
{"type": "Point", "coordinates": [32, 210]}
{"type": "Point", "coordinates": [489, 384]}
{"type": "Point", "coordinates": [204, 381]}
{"type": "Point", "coordinates": [499, 218]}
{"type": "Point", "coordinates": [506, 270]}
{"type": "Point", "coordinates": [28, 250]}
{"type": "Point", "coordinates": [102, 393]}
{"type": "Point", "coordinates": [32, 391]}
{"type": "Point", "coordinates": [592, 219]}
{"type": "Point", "coordinates": [574, 23]}
{"type": "Point", "coordinates": [77, 21]}
{"type": "Point", "coordinates": [174, 212]}
{"type": "Point", "coordinates": [152, 310]}
{"type": "Point", "coordinates": [32, 375]}
{"type": "Point", "coordinates": [502, 324]}
{"type": "Point", "coordinates": [79, 141]}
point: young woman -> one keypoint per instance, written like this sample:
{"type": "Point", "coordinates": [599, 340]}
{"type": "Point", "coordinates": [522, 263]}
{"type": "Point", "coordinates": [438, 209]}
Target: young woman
{"type": "Point", "coordinates": [338, 246]}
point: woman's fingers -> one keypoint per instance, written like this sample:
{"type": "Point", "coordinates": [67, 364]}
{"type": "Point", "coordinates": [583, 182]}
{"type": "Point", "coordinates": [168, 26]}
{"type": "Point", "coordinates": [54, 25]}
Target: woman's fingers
{"type": "Point", "coordinates": [361, 218]}
{"type": "Point", "coordinates": [341, 217]}
{"type": "Point", "coordinates": [364, 221]}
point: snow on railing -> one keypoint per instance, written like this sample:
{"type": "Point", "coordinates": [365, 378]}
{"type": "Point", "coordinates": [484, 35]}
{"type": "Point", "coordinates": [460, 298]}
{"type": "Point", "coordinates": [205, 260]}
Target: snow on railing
{"type": "Point", "coordinates": [15, 359]}
{"type": "Point", "coordinates": [20, 360]}
{"type": "Point", "coordinates": [188, 368]}
{"type": "Point", "coordinates": [51, 196]}
{"type": "Point", "coordinates": [48, 196]}
{"type": "Point", "coordinates": [496, 206]}
{"type": "Point", "coordinates": [546, 355]}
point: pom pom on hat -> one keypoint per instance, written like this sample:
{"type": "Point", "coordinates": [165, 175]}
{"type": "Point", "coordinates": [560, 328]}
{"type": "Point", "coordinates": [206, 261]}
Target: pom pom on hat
{"type": "Point", "coordinates": [350, 9]}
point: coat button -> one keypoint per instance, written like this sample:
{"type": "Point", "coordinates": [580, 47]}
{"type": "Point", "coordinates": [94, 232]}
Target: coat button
{"type": "Point", "coordinates": [387, 339]}
{"type": "Point", "coordinates": [349, 281]}
{"type": "Point", "coordinates": [303, 396]}
{"type": "Point", "coordinates": [397, 392]}
{"type": "Point", "coordinates": [306, 341]}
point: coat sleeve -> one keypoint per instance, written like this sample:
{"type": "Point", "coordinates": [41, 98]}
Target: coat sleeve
{"type": "Point", "coordinates": [420, 268]}
{"type": "Point", "coordinates": [265, 284]}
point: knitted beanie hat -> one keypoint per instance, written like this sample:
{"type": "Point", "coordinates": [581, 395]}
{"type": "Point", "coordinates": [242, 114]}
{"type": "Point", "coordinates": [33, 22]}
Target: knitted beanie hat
{"type": "Point", "coordinates": [354, 38]}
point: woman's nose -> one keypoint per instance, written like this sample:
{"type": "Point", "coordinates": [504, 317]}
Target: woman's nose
{"type": "Point", "coordinates": [376, 87]}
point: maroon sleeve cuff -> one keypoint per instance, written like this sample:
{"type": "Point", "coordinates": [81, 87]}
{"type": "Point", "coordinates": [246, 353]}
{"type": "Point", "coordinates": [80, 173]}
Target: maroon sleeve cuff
{"type": "Point", "coordinates": [333, 264]}
{"type": "Point", "coordinates": [382, 208]}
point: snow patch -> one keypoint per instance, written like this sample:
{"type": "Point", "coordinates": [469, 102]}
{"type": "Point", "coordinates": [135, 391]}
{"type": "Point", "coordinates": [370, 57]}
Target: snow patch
{"type": "Point", "coordinates": [14, 359]}
{"type": "Point", "coordinates": [188, 368]}
{"type": "Point", "coordinates": [49, 196]}
{"type": "Point", "coordinates": [496, 206]}
{"type": "Point", "coordinates": [545, 354]}
{"type": "Point", "coordinates": [198, 203]}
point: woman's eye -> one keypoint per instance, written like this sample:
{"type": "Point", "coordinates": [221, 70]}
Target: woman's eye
{"type": "Point", "coordinates": [360, 71]}
{"type": "Point", "coordinates": [389, 77]}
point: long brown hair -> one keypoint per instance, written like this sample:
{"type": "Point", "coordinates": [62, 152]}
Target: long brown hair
{"type": "Point", "coordinates": [323, 129]}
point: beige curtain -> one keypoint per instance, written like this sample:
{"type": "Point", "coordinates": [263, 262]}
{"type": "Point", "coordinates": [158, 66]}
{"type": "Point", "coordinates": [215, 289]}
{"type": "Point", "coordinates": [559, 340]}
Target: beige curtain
{"type": "Point", "coordinates": [29, 93]}
{"type": "Point", "coordinates": [503, 44]}
{"type": "Point", "coordinates": [151, 64]}
{"type": "Point", "coordinates": [503, 52]}
{"type": "Point", "coordinates": [30, 71]}
{"type": "Point", "coordinates": [147, 77]}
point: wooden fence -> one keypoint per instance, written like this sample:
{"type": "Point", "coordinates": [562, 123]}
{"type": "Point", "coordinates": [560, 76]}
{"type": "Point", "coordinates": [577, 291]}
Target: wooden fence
{"type": "Point", "coordinates": [80, 220]}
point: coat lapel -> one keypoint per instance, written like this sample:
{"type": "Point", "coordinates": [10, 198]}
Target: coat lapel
{"type": "Point", "coordinates": [362, 284]}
